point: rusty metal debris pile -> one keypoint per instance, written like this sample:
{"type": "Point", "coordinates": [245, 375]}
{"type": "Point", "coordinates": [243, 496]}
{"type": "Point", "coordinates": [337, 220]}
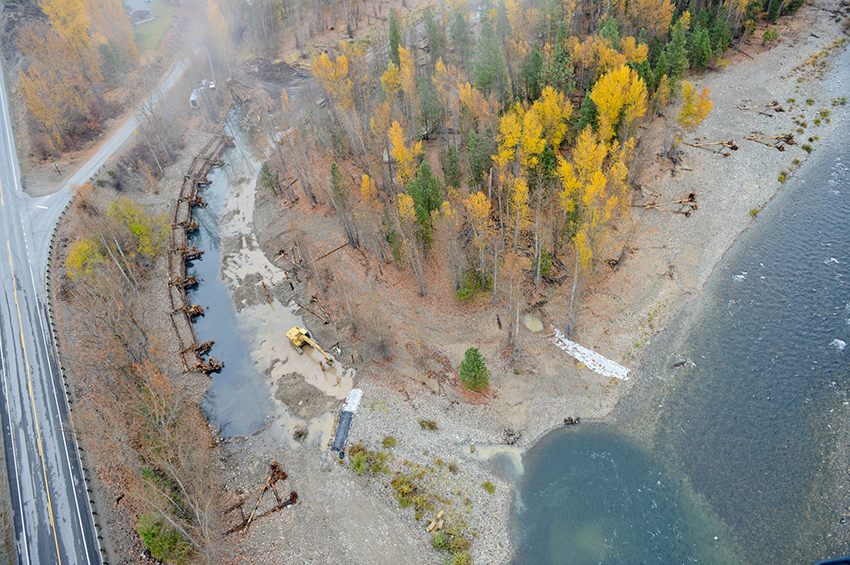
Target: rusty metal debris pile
{"type": "Point", "coordinates": [276, 474]}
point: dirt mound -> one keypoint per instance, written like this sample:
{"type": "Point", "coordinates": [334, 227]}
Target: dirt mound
{"type": "Point", "coordinates": [304, 400]}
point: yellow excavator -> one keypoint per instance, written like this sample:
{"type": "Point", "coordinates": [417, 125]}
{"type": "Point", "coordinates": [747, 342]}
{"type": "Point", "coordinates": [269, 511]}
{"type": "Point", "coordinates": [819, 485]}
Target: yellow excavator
{"type": "Point", "coordinates": [300, 337]}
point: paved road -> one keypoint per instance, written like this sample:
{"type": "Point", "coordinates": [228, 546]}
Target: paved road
{"type": "Point", "coordinates": [53, 520]}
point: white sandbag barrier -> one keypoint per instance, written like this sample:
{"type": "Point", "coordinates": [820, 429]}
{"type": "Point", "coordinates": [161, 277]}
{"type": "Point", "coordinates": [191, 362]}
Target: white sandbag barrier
{"type": "Point", "coordinates": [352, 401]}
{"type": "Point", "coordinates": [594, 361]}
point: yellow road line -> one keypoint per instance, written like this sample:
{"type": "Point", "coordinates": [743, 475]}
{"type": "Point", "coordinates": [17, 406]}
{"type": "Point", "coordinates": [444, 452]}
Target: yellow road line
{"type": "Point", "coordinates": [32, 401]}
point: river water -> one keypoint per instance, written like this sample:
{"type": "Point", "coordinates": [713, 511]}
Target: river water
{"type": "Point", "coordinates": [739, 456]}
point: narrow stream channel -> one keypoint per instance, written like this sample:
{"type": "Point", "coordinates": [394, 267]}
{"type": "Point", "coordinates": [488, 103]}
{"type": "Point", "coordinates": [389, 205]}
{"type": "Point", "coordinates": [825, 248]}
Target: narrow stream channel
{"type": "Point", "coordinates": [248, 322]}
{"type": "Point", "coordinates": [741, 456]}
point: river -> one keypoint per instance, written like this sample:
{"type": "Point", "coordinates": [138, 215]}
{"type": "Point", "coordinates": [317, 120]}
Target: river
{"type": "Point", "coordinates": [739, 456]}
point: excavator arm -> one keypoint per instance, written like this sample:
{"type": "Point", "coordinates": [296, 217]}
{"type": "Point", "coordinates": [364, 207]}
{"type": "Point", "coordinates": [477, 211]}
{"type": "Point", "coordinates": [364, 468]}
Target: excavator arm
{"type": "Point", "coordinates": [315, 346]}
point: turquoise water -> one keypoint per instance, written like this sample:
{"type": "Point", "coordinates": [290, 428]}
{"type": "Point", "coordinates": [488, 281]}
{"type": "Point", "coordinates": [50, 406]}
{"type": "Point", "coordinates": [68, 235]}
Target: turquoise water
{"type": "Point", "coordinates": [594, 496]}
{"type": "Point", "coordinates": [745, 445]}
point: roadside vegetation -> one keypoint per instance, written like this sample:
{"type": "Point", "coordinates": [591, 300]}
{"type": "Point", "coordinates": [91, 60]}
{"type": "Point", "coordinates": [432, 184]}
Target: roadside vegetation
{"type": "Point", "coordinates": [142, 429]}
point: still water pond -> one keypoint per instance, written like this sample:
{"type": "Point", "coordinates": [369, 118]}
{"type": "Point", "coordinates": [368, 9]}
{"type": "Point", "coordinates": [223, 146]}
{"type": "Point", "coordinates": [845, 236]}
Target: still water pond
{"type": "Point", "coordinates": [746, 445]}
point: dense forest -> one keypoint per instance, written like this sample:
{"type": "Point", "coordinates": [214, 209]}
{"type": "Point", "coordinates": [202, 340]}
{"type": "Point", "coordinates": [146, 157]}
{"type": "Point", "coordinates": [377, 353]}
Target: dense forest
{"type": "Point", "coordinates": [502, 136]}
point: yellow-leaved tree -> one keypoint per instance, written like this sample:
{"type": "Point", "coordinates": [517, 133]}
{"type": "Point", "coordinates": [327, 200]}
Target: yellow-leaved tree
{"type": "Point", "coordinates": [478, 213]}
{"type": "Point", "coordinates": [404, 156]}
{"type": "Point", "coordinates": [620, 98]}
{"type": "Point", "coordinates": [552, 110]}
{"type": "Point", "coordinates": [695, 107]}
{"type": "Point", "coordinates": [148, 232]}
{"type": "Point", "coordinates": [333, 76]}
{"type": "Point", "coordinates": [406, 222]}
{"type": "Point", "coordinates": [83, 257]}
{"type": "Point", "coordinates": [593, 191]}
{"type": "Point", "coordinates": [220, 30]}
{"type": "Point", "coordinates": [652, 16]}
{"type": "Point", "coordinates": [391, 81]}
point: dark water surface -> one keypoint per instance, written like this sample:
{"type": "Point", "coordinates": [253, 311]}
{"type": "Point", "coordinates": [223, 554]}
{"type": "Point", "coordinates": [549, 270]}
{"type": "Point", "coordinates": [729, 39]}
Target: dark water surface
{"type": "Point", "coordinates": [745, 444]}
{"type": "Point", "coordinates": [237, 401]}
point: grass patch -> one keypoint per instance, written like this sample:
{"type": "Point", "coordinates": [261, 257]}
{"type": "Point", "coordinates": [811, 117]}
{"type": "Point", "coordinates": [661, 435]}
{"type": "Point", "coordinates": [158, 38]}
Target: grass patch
{"type": "Point", "coordinates": [389, 442]}
{"type": "Point", "coordinates": [367, 462]}
{"type": "Point", "coordinates": [806, 147]}
{"type": "Point", "coordinates": [429, 425]}
{"type": "Point", "coordinates": [163, 541]}
{"type": "Point", "coordinates": [149, 34]}
{"type": "Point", "coordinates": [489, 487]}
{"type": "Point", "coordinates": [754, 212]}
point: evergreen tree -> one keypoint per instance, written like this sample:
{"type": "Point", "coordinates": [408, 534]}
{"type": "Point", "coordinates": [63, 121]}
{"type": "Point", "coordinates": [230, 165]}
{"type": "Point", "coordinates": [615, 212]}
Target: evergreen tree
{"type": "Point", "coordinates": [587, 114]}
{"type": "Point", "coordinates": [531, 73]}
{"type": "Point", "coordinates": [340, 191]}
{"type": "Point", "coordinates": [720, 34]}
{"type": "Point", "coordinates": [394, 37]}
{"type": "Point", "coordinates": [503, 26]}
{"type": "Point", "coordinates": [701, 49]}
{"type": "Point", "coordinates": [490, 72]}
{"type": "Point", "coordinates": [268, 179]}
{"type": "Point", "coordinates": [434, 33]}
{"type": "Point", "coordinates": [473, 372]}
{"type": "Point", "coordinates": [609, 30]}
{"type": "Point", "coordinates": [452, 172]}
{"type": "Point", "coordinates": [677, 53]}
{"type": "Point", "coordinates": [430, 109]}
{"type": "Point", "coordinates": [461, 40]}
{"type": "Point", "coordinates": [427, 194]}
{"type": "Point", "coordinates": [661, 68]}
{"type": "Point", "coordinates": [557, 69]}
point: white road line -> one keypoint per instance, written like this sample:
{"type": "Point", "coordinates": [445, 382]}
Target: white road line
{"type": "Point", "coordinates": [58, 411]}
{"type": "Point", "coordinates": [14, 456]}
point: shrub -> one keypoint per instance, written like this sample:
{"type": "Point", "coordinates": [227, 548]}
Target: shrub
{"type": "Point", "coordinates": [162, 540]}
{"type": "Point", "coordinates": [489, 487]}
{"type": "Point", "coordinates": [389, 442]}
{"type": "Point", "coordinates": [754, 212]}
{"type": "Point", "coordinates": [769, 35]}
{"type": "Point", "coordinates": [782, 176]}
{"type": "Point", "coordinates": [806, 147]}
{"type": "Point", "coordinates": [473, 372]}
{"type": "Point", "coordinates": [365, 461]}
{"type": "Point", "coordinates": [470, 284]}
{"type": "Point", "coordinates": [429, 425]}
{"type": "Point", "coordinates": [440, 542]}
{"type": "Point", "coordinates": [461, 558]}
{"type": "Point", "coordinates": [810, 101]}
{"type": "Point", "coordinates": [458, 543]}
